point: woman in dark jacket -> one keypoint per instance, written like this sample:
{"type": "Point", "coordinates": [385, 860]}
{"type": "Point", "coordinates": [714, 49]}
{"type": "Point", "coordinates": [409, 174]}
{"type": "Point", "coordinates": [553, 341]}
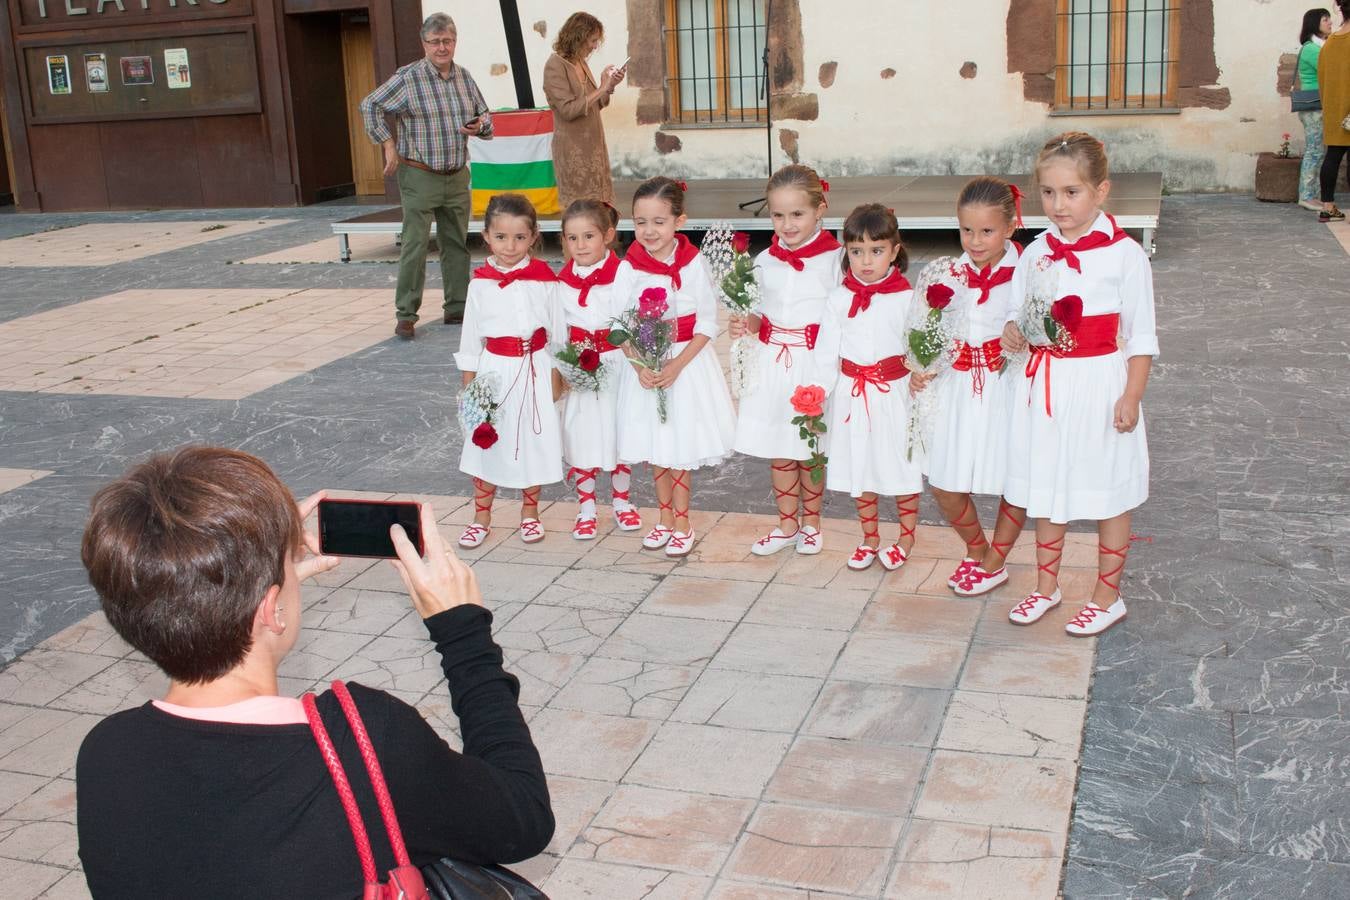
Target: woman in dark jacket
{"type": "Point", "coordinates": [219, 790]}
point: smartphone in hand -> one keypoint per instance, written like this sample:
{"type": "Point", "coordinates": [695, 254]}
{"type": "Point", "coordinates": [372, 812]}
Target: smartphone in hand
{"type": "Point", "coordinates": [361, 527]}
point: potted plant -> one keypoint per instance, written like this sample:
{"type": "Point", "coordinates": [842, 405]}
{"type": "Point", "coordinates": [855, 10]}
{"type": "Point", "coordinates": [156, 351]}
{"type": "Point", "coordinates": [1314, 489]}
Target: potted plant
{"type": "Point", "coordinates": [1277, 174]}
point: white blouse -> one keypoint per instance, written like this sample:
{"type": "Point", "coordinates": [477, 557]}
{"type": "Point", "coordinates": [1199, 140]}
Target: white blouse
{"type": "Point", "coordinates": [512, 311]}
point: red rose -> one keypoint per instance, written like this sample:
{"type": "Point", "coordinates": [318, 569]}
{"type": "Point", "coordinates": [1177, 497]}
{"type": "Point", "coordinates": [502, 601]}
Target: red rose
{"type": "Point", "coordinates": [1068, 311]}
{"type": "Point", "coordinates": [807, 400]}
{"type": "Point", "coordinates": [484, 435]}
{"type": "Point", "coordinates": [588, 360]}
{"type": "Point", "coordinates": [740, 242]}
{"type": "Point", "coordinates": [939, 295]}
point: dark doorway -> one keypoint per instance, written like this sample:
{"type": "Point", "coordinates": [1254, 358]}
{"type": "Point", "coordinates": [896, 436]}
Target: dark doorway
{"type": "Point", "coordinates": [6, 164]}
{"type": "Point", "coordinates": [314, 52]}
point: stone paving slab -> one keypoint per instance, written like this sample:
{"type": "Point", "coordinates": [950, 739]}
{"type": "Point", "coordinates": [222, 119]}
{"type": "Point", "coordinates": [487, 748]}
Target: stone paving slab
{"type": "Point", "coordinates": [104, 244]}
{"type": "Point", "coordinates": [744, 736]}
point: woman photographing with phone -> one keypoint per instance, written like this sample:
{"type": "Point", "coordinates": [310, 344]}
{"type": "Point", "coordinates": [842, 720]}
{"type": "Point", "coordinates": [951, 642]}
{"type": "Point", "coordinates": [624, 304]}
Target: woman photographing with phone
{"type": "Point", "coordinates": [580, 155]}
{"type": "Point", "coordinates": [220, 789]}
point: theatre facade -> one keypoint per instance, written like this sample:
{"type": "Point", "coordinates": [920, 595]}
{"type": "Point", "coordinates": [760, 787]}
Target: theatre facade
{"type": "Point", "coordinates": [116, 104]}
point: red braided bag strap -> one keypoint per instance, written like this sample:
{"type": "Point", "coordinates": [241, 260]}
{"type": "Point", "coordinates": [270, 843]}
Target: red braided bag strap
{"type": "Point", "coordinates": [405, 881]}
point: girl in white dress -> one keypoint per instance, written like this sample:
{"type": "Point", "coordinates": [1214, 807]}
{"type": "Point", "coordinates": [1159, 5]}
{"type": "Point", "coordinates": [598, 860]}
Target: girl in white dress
{"type": "Point", "coordinates": [1079, 451]}
{"type": "Point", "coordinates": [968, 451]}
{"type": "Point", "coordinates": [862, 341]}
{"type": "Point", "coordinates": [590, 418]}
{"type": "Point", "coordinates": [511, 318]}
{"type": "Point", "coordinates": [700, 421]}
{"type": "Point", "coordinates": [796, 274]}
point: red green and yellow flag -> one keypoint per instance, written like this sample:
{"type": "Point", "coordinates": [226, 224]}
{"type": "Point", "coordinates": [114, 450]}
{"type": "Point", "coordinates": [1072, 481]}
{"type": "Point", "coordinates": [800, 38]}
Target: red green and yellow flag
{"type": "Point", "coordinates": [518, 159]}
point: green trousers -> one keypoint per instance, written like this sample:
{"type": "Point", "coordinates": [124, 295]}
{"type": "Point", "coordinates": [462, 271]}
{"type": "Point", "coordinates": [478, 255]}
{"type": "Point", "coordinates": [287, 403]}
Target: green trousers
{"type": "Point", "coordinates": [426, 194]}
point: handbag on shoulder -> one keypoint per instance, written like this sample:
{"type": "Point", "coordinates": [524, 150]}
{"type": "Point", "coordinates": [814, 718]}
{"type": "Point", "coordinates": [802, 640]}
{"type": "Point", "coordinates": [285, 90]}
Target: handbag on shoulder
{"type": "Point", "coordinates": [445, 879]}
{"type": "Point", "coordinates": [1301, 100]}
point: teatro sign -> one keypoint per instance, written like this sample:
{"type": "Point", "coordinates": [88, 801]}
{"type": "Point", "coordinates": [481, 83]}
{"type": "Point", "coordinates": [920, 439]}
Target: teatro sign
{"type": "Point", "coordinates": [92, 12]}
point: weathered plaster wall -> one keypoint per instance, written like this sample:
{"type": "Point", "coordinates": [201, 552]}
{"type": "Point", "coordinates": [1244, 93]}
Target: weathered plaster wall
{"type": "Point", "coordinates": [929, 117]}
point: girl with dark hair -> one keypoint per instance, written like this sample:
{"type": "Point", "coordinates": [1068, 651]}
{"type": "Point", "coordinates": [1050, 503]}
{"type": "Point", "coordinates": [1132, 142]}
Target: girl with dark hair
{"type": "Point", "coordinates": [862, 345]}
{"type": "Point", "coordinates": [580, 155]}
{"type": "Point", "coordinates": [1311, 37]}
{"type": "Point", "coordinates": [1333, 83]}
{"type": "Point", "coordinates": [699, 422]}
{"type": "Point", "coordinates": [590, 419]}
{"type": "Point", "coordinates": [968, 453]}
{"type": "Point", "coordinates": [511, 319]}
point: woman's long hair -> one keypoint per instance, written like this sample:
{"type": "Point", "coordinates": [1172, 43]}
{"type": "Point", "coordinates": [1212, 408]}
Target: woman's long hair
{"type": "Point", "coordinates": [1312, 24]}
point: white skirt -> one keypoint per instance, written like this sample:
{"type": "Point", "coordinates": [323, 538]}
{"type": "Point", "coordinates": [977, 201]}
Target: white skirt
{"type": "Point", "coordinates": [764, 420]}
{"type": "Point", "coordinates": [590, 432]}
{"type": "Point", "coordinates": [968, 444]}
{"type": "Point", "coordinates": [700, 422]}
{"type": "Point", "coordinates": [1073, 464]}
{"type": "Point", "coordinates": [528, 450]}
{"type": "Point", "coordinates": [867, 452]}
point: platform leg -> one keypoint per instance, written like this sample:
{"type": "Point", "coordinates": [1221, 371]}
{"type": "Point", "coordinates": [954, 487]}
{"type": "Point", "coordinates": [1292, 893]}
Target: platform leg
{"type": "Point", "coordinates": [1147, 241]}
{"type": "Point", "coordinates": [344, 248]}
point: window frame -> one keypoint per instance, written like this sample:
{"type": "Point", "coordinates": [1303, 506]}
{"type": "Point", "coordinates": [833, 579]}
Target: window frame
{"type": "Point", "coordinates": [1116, 100]}
{"type": "Point", "coordinates": [722, 114]}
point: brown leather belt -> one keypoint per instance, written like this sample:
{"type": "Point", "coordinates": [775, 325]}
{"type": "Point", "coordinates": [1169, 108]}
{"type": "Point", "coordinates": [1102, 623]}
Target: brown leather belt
{"type": "Point", "coordinates": [426, 168]}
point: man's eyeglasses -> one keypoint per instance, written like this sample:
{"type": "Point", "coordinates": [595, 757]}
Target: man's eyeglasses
{"type": "Point", "coordinates": [442, 42]}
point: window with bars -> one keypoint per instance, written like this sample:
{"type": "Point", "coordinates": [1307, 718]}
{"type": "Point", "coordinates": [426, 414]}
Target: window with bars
{"type": "Point", "coordinates": [1117, 54]}
{"type": "Point", "coordinates": [714, 61]}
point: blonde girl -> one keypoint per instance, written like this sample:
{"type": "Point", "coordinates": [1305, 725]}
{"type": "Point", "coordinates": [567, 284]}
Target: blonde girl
{"type": "Point", "coordinates": [511, 317]}
{"type": "Point", "coordinates": [1078, 451]}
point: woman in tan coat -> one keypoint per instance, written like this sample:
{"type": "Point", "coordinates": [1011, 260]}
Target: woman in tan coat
{"type": "Point", "coordinates": [1333, 78]}
{"type": "Point", "coordinates": [580, 157]}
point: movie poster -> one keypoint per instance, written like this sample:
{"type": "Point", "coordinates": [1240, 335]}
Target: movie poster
{"type": "Point", "coordinates": [96, 72]}
{"type": "Point", "coordinates": [176, 72]}
{"type": "Point", "coordinates": [58, 74]}
{"type": "Point", "coordinates": [137, 70]}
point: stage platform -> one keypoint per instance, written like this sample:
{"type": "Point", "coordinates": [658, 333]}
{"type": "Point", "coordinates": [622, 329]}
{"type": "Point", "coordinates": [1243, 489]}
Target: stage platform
{"type": "Point", "coordinates": [921, 203]}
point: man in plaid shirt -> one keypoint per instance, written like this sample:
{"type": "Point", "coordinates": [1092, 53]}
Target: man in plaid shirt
{"type": "Point", "coordinates": [438, 108]}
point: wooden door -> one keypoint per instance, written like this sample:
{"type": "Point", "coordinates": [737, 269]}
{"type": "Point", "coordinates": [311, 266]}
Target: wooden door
{"type": "Point", "coordinates": [358, 64]}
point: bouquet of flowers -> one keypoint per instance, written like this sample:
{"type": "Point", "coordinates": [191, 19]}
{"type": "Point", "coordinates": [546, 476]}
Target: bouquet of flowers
{"type": "Point", "coordinates": [933, 332]}
{"type": "Point", "coordinates": [477, 405]}
{"type": "Point", "coordinates": [808, 401]}
{"type": "Point", "coordinates": [733, 271]}
{"type": "Point", "coordinates": [1047, 320]}
{"type": "Point", "coordinates": [582, 366]}
{"type": "Point", "coordinates": [649, 334]}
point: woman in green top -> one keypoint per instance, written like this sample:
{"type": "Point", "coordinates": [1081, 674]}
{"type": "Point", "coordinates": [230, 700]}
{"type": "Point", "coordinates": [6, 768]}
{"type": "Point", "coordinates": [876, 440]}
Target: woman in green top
{"type": "Point", "coordinates": [1316, 27]}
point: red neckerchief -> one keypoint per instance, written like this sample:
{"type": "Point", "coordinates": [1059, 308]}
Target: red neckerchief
{"type": "Point", "coordinates": [602, 274]}
{"type": "Point", "coordinates": [535, 270]}
{"type": "Point", "coordinates": [1090, 241]}
{"type": "Point", "coordinates": [638, 257]}
{"type": "Point", "coordinates": [893, 283]}
{"type": "Point", "coordinates": [823, 242]}
{"type": "Point", "coordinates": [985, 281]}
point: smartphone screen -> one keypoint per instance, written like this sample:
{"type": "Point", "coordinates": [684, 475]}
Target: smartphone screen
{"type": "Point", "coordinates": [361, 527]}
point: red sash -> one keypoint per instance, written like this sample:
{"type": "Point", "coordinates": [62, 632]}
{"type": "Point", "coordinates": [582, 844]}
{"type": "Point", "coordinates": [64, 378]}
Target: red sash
{"type": "Point", "coordinates": [893, 283]}
{"type": "Point", "coordinates": [787, 338]}
{"type": "Point", "coordinates": [1090, 241]}
{"type": "Point", "coordinates": [515, 346]}
{"type": "Point", "coordinates": [598, 338]}
{"type": "Point", "coordinates": [535, 270]}
{"type": "Point", "coordinates": [878, 375]}
{"type": "Point", "coordinates": [975, 360]}
{"type": "Point", "coordinates": [603, 274]}
{"type": "Point", "coordinates": [821, 243]}
{"type": "Point", "coordinates": [1094, 336]}
{"type": "Point", "coordinates": [642, 261]}
{"type": "Point", "coordinates": [684, 328]}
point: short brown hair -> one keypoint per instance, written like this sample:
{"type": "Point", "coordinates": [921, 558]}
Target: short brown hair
{"type": "Point", "coordinates": [662, 188]}
{"type": "Point", "coordinates": [874, 222]}
{"type": "Point", "coordinates": [799, 177]}
{"type": "Point", "coordinates": [986, 190]}
{"type": "Point", "coordinates": [579, 28]}
{"type": "Point", "coordinates": [1088, 153]}
{"type": "Point", "coordinates": [603, 215]}
{"type": "Point", "coordinates": [182, 547]}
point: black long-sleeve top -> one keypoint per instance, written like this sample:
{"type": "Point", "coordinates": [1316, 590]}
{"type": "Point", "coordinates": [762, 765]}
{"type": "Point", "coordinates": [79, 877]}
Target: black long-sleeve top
{"type": "Point", "coordinates": [175, 807]}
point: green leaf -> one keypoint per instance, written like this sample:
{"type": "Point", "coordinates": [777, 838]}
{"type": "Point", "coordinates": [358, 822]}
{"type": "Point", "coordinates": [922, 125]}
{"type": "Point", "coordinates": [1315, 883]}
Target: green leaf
{"type": "Point", "coordinates": [919, 351]}
{"type": "Point", "coordinates": [820, 427]}
{"type": "Point", "coordinates": [618, 337]}
{"type": "Point", "coordinates": [1051, 329]}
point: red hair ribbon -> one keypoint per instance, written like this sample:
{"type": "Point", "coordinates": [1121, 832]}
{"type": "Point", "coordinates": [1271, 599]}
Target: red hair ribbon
{"type": "Point", "coordinates": [684, 185]}
{"type": "Point", "coordinates": [824, 186]}
{"type": "Point", "coordinates": [1017, 202]}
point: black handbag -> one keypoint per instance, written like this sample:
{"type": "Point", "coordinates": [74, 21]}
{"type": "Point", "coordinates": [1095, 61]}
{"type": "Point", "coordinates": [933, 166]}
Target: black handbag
{"type": "Point", "coordinates": [1301, 100]}
{"type": "Point", "coordinates": [445, 879]}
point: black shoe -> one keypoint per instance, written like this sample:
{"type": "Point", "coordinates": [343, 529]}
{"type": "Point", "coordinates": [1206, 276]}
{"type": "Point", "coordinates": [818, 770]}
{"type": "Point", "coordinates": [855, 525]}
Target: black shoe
{"type": "Point", "coordinates": [1330, 215]}
{"type": "Point", "coordinates": [453, 318]}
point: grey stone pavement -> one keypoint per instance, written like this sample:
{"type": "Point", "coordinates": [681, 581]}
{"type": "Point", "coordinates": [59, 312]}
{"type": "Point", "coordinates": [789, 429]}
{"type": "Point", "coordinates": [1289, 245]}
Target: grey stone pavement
{"type": "Point", "coordinates": [1213, 753]}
